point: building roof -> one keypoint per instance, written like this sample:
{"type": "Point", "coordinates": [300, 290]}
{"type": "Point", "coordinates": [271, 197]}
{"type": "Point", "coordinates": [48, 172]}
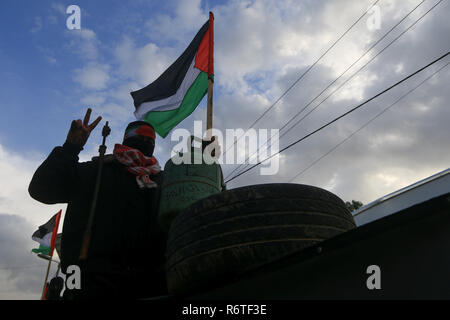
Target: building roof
{"type": "Point", "coordinates": [418, 192]}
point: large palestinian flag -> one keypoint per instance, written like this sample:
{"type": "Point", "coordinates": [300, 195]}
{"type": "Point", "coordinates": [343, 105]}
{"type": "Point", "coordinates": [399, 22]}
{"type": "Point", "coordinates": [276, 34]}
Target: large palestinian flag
{"type": "Point", "coordinates": [46, 235]}
{"type": "Point", "coordinates": [177, 92]}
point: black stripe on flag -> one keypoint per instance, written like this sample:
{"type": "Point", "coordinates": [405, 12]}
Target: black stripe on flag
{"type": "Point", "coordinates": [58, 244]}
{"type": "Point", "coordinates": [45, 228]}
{"type": "Point", "coordinates": [168, 83]}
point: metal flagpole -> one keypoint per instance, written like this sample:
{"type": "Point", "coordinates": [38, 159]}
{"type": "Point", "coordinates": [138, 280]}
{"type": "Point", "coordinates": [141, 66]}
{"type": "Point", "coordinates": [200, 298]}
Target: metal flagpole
{"type": "Point", "coordinates": [88, 232]}
{"type": "Point", "coordinates": [209, 113]}
{"type": "Point", "coordinates": [49, 258]}
{"type": "Point", "coordinates": [52, 248]}
{"type": "Point", "coordinates": [46, 278]}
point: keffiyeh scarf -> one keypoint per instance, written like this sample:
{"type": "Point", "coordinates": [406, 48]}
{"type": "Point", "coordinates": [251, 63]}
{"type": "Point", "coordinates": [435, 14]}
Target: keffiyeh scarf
{"type": "Point", "coordinates": [138, 164]}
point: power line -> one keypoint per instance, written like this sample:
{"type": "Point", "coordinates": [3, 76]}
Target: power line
{"type": "Point", "coordinates": [302, 75]}
{"type": "Point", "coordinates": [341, 116]}
{"type": "Point", "coordinates": [319, 94]}
{"type": "Point", "coordinates": [351, 77]}
{"type": "Point", "coordinates": [340, 86]}
{"type": "Point", "coordinates": [366, 124]}
{"type": "Point", "coordinates": [345, 82]}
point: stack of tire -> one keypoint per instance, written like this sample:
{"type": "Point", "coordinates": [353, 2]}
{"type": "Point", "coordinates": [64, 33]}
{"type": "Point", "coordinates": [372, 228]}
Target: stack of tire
{"type": "Point", "coordinates": [237, 230]}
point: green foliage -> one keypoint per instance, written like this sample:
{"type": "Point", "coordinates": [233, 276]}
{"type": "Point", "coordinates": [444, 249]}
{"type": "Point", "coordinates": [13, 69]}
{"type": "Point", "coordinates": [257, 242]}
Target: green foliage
{"type": "Point", "coordinates": [354, 205]}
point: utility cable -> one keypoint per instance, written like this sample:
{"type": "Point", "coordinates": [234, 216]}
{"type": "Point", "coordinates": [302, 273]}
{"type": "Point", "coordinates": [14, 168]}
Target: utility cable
{"type": "Point", "coordinates": [341, 116]}
{"type": "Point", "coordinates": [366, 124]}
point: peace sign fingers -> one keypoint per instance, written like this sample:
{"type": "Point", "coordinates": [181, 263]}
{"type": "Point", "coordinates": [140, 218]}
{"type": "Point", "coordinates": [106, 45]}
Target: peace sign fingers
{"type": "Point", "coordinates": [87, 117]}
{"type": "Point", "coordinates": [79, 131]}
{"type": "Point", "coordinates": [86, 124]}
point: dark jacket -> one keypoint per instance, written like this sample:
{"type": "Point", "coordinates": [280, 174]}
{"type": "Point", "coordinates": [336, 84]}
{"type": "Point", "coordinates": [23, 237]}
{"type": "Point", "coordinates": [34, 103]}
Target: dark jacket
{"type": "Point", "coordinates": [125, 231]}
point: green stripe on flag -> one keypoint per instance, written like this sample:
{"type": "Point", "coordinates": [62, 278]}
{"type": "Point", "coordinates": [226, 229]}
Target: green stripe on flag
{"type": "Point", "coordinates": [164, 121]}
{"type": "Point", "coordinates": [42, 249]}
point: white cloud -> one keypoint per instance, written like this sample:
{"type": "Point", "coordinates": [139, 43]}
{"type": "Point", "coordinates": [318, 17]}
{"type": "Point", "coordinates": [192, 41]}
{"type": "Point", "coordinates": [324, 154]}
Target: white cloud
{"type": "Point", "coordinates": [179, 25]}
{"type": "Point", "coordinates": [52, 19]}
{"type": "Point", "coordinates": [37, 25]}
{"type": "Point", "coordinates": [17, 170]}
{"type": "Point", "coordinates": [48, 54]}
{"type": "Point", "coordinates": [84, 42]}
{"type": "Point", "coordinates": [116, 114]}
{"type": "Point", "coordinates": [142, 64]}
{"type": "Point", "coordinates": [93, 99]}
{"type": "Point", "coordinates": [21, 271]}
{"type": "Point", "coordinates": [51, 60]}
{"type": "Point", "coordinates": [58, 7]}
{"type": "Point", "coordinates": [93, 76]}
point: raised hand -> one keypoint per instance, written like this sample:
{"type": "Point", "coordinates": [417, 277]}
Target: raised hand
{"type": "Point", "coordinates": [79, 131]}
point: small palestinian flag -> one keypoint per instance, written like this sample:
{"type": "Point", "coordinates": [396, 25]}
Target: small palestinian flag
{"type": "Point", "coordinates": [177, 92]}
{"type": "Point", "coordinates": [46, 235]}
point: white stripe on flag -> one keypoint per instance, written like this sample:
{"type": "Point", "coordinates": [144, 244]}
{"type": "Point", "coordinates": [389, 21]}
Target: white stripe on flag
{"type": "Point", "coordinates": [45, 241]}
{"type": "Point", "coordinates": [174, 101]}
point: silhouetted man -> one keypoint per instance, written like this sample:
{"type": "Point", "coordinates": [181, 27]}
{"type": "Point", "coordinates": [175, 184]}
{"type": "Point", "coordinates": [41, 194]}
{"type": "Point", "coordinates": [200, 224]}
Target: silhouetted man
{"type": "Point", "coordinates": [126, 253]}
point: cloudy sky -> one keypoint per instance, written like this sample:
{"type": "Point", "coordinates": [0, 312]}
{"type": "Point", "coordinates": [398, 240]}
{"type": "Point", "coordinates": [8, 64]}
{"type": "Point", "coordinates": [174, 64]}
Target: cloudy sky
{"type": "Point", "coordinates": [50, 75]}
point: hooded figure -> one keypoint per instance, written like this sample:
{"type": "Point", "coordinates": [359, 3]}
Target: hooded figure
{"type": "Point", "coordinates": [55, 288]}
{"type": "Point", "coordinates": [126, 253]}
{"type": "Point", "coordinates": [136, 153]}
